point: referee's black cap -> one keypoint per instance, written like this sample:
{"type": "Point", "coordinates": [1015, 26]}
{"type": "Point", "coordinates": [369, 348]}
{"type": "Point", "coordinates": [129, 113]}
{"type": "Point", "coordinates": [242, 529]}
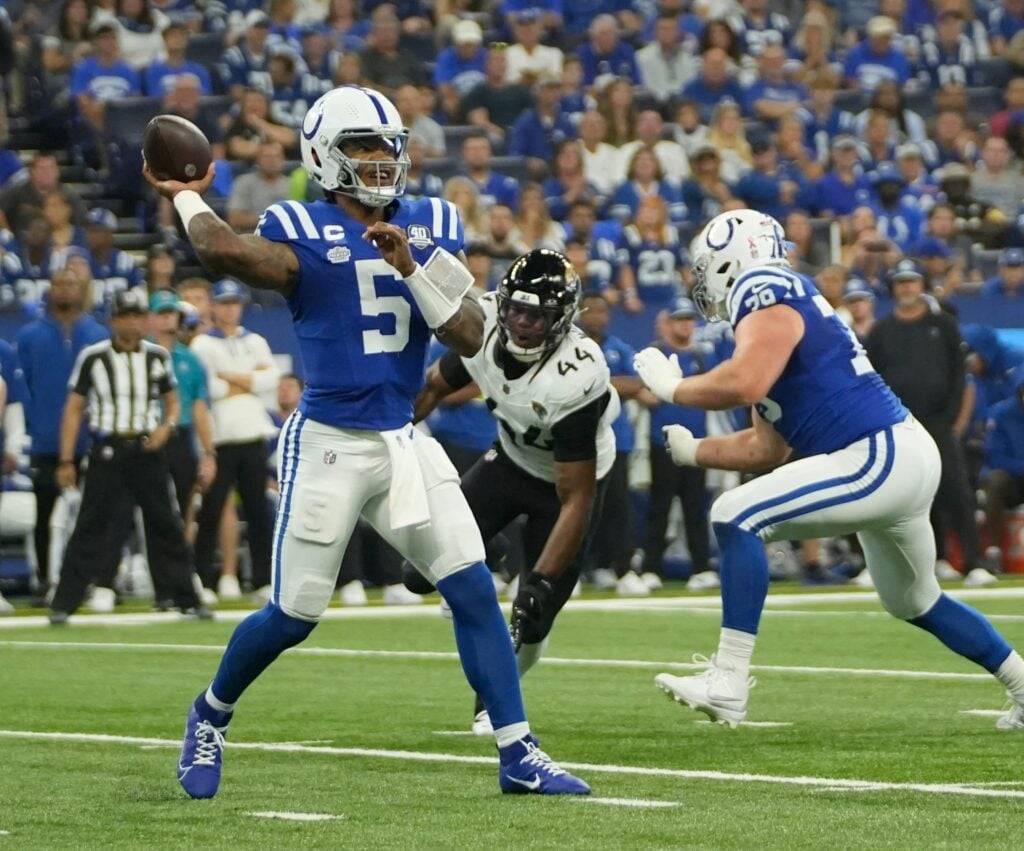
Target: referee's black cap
{"type": "Point", "coordinates": [129, 301]}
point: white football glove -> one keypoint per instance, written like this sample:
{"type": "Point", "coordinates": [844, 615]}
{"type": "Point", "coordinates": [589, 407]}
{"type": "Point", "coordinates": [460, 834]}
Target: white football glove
{"type": "Point", "coordinates": [682, 445]}
{"type": "Point", "coordinates": [661, 374]}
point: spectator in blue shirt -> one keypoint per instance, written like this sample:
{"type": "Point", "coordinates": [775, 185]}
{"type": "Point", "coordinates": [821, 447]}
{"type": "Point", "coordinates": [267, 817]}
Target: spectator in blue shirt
{"type": "Point", "coordinates": [551, 13]}
{"type": "Point", "coordinates": [713, 84]}
{"type": "Point", "coordinates": [476, 165]}
{"type": "Point", "coordinates": [843, 187]}
{"type": "Point", "coordinates": [772, 96]}
{"type": "Point", "coordinates": [293, 91]}
{"type": "Point", "coordinates": [1008, 281]}
{"type": "Point", "coordinates": [102, 76]}
{"type": "Point", "coordinates": [875, 59]}
{"type": "Point", "coordinates": [1003, 474]}
{"type": "Point", "coordinates": [899, 220]}
{"type": "Point", "coordinates": [578, 15]}
{"type": "Point", "coordinates": [950, 57]}
{"type": "Point", "coordinates": [758, 27]}
{"type": "Point", "coordinates": [47, 350]}
{"type": "Point", "coordinates": [704, 191]}
{"type": "Point", "coordinates": [25, 270]}
{"type": "Point", "coordinates": [768, 186]}
{"type": "Point", "coordinates": [460, 68]}
{"type": "Point", "coordinates": [244, 66]}
{"type": "Point", "coordinates": [645, 177]}
{"type": "Point", "coordinates": [822, 119]}
{"type": "Point", "coordinates": [162, 74]}
{"type": "Point", "coordinates": [112, 269]}
{"type": "Point", "coordinates": [1005, 20]}
{"type": "Point", "coordinates": [540, 132]}
{"type": "Point", "coordinates": [605, 55]}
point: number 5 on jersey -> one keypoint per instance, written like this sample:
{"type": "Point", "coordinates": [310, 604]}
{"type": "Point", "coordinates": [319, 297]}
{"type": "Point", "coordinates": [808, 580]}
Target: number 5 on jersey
{"type": "Point", "coordinates": [376, 341]}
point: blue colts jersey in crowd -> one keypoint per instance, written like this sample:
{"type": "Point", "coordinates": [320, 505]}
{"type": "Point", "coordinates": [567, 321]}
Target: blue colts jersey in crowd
{"type": "Point", "coordinates": [362, 338]}
{"type": "Point", "coordinates": [829, 395]}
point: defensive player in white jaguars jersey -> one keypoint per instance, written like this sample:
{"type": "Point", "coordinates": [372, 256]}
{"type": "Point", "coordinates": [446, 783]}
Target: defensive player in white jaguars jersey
{"type": "Point", "coordinates": [367, 276]}
{"type": "Point", "coordinates": [863, 463]}
{"type": "Point", "coordinates": [548, 385]}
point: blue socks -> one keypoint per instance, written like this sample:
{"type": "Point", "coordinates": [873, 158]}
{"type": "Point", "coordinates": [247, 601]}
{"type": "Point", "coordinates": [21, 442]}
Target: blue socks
{"type": "Point", "coordinates": [256, 642]}
{"type": "Point", "coordinates": [485, 648]}
{"type": "Point", "coordinates": [965, 631]}
{"type": "Point", "coordinates": [744, 575]}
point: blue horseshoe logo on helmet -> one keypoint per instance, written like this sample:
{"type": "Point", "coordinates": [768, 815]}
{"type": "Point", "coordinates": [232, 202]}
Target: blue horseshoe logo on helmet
{"type": "Point", "coordinates": [718, 247]}
{"type": "Point", "coordinates": [316, 125]}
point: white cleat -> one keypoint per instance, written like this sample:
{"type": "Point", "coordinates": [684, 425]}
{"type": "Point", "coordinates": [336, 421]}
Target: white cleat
{"type": "Point", "coordinates": [101, 600]}
{"type": "Point", "coordinates": [1013, 719]}
{"type": "Point", "coordinates": [945, 572]}
{"type": "Point", "coordinates": [720, 693]}
{"type": "Point", "coordinates": [979, 578]}
{"type": "Point", "coordinates": [399, 595]}
{"type": "Point", "coordinates": [706, 580]}
{"type": "Point", "coordinates": [604, 579]}
{"type": "Point", "coordinates": [631, 585]}
{"type": "Point", "coordinates": [482, 724]}
{"type": "Point", "coordinates": [228, 588]}
{"type": "Point", "coordinates": [863, 579]}
{"type": "Point", "coordinates": [652, 581]}
{"type": "Point", "coordinates": [353, 594]}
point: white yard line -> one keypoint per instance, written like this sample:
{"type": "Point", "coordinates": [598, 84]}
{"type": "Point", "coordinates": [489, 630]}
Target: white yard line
{"type": "Point", "coordinates": [984, 713]}
{"type": "Point", "coordinates": [628, 802]}
{"type": "Point", "coordinates": [650, 604]}
{"type": "Point", "coordinates": [448, 656]}
{"type": "Point", "coordinates": [750, 723]}
{"type": "Point", "coordinates": [295, 816]}
{"type": "Point", "coordinates": [954, 788]}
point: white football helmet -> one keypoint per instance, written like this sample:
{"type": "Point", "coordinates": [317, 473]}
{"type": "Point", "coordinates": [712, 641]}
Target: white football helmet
{"type": "Point", "coordinates": [352, 115]}
{"type": "Point", "coordinates": [730, 244]}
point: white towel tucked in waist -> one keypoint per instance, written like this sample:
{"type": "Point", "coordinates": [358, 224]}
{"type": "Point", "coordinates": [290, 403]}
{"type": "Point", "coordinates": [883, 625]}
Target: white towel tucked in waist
{"type": "Point", "coordinates": [407, 498]}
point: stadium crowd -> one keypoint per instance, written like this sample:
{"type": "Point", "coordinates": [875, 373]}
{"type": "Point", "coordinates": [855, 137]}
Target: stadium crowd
{"type": "Point", "coordinates": [887, 136]}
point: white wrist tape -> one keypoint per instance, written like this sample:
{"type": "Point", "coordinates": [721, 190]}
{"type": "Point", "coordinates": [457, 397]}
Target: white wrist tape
{"type": "Point", "coordinates": [190, 204]}
{"type": "Point", "coordinates": [682, 445]}
{"type": "Point", "coordinates": [438, 287]}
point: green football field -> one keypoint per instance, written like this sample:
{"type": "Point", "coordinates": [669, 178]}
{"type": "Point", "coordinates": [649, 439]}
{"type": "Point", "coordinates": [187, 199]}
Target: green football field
{"type": "Point", "coordinates": [863, 732]}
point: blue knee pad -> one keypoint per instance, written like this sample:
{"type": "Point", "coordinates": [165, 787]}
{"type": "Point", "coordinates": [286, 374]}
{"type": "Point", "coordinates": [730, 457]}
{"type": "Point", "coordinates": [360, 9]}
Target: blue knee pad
{"type": "Point", "coordinates": [256, 642]}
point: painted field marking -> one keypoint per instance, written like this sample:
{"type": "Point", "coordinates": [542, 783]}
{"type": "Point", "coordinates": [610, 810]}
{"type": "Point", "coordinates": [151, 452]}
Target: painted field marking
{"type": "Point", "coordinates": [650, 604]}
{"type": "Point", "coordinates": [709, 722]}
{"type": "Point", "coordinates": [984, 713]}
{"type": "Point", "coordinates": [452, 733]}
{"type": "Point", "coordinates": [448, 656]}
{"type": "Point", "coordinates": [295, 816]}
{"type": "Point", "coordinates": [963, 789]}
{"type": "Point", "coordinates": [628, 802]}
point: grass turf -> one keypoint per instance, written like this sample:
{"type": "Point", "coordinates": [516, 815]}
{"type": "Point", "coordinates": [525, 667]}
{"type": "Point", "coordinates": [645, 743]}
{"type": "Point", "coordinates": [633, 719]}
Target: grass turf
{"type": "Point", "coordinates": [895, 730]}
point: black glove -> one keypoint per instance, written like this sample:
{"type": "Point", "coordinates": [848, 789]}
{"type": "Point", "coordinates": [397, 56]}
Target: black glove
{"type": "Point", "coordinates": [528, 609]}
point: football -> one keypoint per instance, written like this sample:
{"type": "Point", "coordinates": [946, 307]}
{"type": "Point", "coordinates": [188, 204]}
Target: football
{"type": "Point", "coordinates": [175, 149]}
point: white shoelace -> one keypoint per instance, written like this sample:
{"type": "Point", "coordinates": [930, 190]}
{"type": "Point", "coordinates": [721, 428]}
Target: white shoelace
{"type": "Point", "coordinates": [538, 759]}
{"type": "Point", "coordinates": [209, 741]}
{"type": "Point", "coordinates": [712, 670]}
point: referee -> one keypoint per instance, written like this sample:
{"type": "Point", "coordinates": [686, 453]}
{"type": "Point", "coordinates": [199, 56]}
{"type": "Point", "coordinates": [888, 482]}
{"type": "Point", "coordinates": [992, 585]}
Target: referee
{"type": "Point", "coordinates": [123, 382]}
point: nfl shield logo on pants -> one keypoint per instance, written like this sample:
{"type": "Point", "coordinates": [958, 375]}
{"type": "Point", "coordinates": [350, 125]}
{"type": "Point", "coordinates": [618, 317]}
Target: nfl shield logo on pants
{"type": "Point", "coordinates": [330, 456]}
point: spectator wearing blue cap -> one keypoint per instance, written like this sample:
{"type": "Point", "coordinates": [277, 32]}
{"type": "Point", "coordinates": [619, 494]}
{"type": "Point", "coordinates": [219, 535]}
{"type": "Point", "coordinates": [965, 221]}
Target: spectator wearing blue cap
{"type": "Point", "coordinates": [460, 67]}
{"type": "Point", "coordinates": [898, 219]}
{"type": "Point", "coordinates": [714, 83]}
{"type": "Point", "coordinates": [844, 187]}
{"type": "Point", "coordinates": [944, 276]}
{"type": "Point", "coordinates": [47, 349]}
{"type": "Point", "coordinates": [239, 369]}
{"type": "Point", "coordinates": [859, 301]}
{"type": "Point", "coordinates": [876, 59]}
{"type": "Point", "coordinates": [918, 352]}
{"type": "Point", "coordinates": [667, 480]}
{"type": "Point", "coordinates": [1008, 279]}
{"type": "Point", "coordinates": [162, 74]}
{"type": "Point", "coordinates": [113, 270]}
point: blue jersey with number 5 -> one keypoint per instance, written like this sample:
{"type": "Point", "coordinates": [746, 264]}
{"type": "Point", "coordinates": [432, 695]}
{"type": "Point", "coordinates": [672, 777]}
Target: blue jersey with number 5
{"type": "Point", "coordinates": [829, 395]}
{"type": "Point", "coordinates": [362, 338]}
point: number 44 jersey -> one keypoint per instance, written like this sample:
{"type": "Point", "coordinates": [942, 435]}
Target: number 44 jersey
{"type": "Point", "coordinates": [829, 394]}
{"type": "Point", "coordinates": [527, 408]}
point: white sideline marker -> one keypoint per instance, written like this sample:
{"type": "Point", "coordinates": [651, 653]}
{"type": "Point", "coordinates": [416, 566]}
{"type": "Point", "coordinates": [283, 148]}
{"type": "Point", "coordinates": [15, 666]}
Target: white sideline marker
{"type": "Point", "coordinates": [708, 721]}
{"type": "Point", "coordinates": [984, 713]}
{"type": "Point", "coordinates": [295, 816]}
{"type": "Point", "coordinates": [453, 733]}
{"type": "Point", "coordinates": [628, 802]}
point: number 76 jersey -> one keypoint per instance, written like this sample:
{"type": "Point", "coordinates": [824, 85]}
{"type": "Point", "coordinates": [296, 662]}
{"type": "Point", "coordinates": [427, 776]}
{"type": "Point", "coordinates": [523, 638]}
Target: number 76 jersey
{"type": "Point", "coordinates": [829, 394]}
{"type": "Point", "coordinates": [570, 378]}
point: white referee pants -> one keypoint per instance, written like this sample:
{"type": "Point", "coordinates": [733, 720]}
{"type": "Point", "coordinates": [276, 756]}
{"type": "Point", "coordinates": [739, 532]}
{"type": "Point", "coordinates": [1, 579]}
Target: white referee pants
{"type": "Point", "coordinates": [329, 478]}
{"type": "Point", "coordinates": [880, 487]}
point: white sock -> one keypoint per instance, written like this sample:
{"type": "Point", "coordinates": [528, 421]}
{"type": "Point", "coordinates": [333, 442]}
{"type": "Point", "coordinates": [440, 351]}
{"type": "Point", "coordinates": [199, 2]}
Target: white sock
{"type": "Point", "coordinates": [1011, 675]}
{"type": "Point", "coordinates": [219, 705]}
{"type": "Point", "coordinates": [529, 655]}
{"type": "Point", "coordinates": [734, 650]}
{"type": "Point", "coordinates": [511, 734]}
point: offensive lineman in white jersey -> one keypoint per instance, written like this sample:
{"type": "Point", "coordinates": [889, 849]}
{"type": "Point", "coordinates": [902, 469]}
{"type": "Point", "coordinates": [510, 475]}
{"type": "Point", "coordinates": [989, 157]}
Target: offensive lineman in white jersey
{"type": "Point", "coordinates": [863, 464]}
{"type": "Point", "coordinates": [548, 385]}
{"type": "Point", "coordinates": [368, 276]}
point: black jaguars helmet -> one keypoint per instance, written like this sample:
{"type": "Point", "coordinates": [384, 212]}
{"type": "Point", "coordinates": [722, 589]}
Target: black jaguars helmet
{"type": "Point", "coordinates": [540, 285]}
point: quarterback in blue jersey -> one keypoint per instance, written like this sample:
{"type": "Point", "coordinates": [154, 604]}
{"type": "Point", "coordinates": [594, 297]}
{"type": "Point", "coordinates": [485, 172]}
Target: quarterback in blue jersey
{"type": "Point", "coordinates": [863, 464]}
{"type": "Point", "coordinates": [368, 276]}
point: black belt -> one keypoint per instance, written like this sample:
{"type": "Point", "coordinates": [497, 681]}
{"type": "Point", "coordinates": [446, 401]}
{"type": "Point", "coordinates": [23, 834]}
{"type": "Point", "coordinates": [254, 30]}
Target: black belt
{"type": "Point", "coordinates": [121, 440]}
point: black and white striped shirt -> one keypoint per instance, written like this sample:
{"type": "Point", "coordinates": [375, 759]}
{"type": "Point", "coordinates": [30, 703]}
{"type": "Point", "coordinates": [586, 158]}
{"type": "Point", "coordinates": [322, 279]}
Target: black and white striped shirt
{"type": "Point", "coordinates": [123, 390]}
